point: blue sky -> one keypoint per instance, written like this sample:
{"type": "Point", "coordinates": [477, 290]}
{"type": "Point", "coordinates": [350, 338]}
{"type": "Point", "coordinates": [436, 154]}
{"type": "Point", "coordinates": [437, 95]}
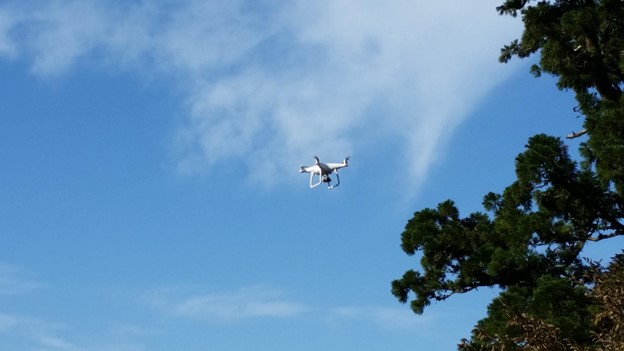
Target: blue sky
{"type": "Point", "coordinates": [150, 195]}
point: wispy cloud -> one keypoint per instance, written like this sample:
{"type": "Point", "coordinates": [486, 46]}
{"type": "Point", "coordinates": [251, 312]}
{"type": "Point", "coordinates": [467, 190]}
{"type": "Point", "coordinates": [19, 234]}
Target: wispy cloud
{"type": "Point", "coordinates": [392, 318]}
{"type": "Point", "coordinates": [15, 280]}
{"type": "Point", "coordinates": [34, 332]}
{"type": "Point", "coordinates": [57, 343]}
{"type": "Point", "coordinates": [9, 322]}
{"type": "Point", "coordinates": [269, 81]}
{"type": "Point", "coordinates": [243, 304]}
{"type": "Point", "coordinates": [262, 302]}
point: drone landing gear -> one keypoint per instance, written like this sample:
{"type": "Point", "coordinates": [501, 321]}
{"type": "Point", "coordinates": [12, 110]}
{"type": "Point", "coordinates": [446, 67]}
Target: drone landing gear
{"type": "Point", "coordinates": [329, 186]}
{"type": "Point", "coordinates": [314, 185]}
{"type": "Point", "coordinates": [324, 179]}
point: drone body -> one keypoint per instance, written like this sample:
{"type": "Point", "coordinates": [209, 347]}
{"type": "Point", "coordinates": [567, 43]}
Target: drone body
{"type": "Point", "coordinates": [323, 170]}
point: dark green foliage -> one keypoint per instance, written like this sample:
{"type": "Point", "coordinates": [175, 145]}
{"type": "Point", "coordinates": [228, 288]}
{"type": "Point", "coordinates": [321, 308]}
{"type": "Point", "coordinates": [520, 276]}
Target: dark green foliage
{"type": "Point", "coordinates": [575, 318]}
{"type": "Point", "coordinates": [538, 227]}
{"type": "Point", "coordinates": [529, 240]}
{"type": "Point", "coordinates": [605, 121]}
{"type": "Point", "coordinates": [580, 42]}
{"type": "Point", "coordinates": [555, 301]}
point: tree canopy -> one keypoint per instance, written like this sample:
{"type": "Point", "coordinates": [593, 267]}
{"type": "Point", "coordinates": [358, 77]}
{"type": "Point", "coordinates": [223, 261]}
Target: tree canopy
{"type": "Point", "coordinates": [529, 238]}
{"type": "Point", "coordinates": [534, 332]}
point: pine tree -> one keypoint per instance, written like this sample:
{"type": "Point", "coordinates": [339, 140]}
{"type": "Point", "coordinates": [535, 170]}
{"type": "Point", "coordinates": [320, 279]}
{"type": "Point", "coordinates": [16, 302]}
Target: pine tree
{"type": "Point", "coordinates": [528, 240]}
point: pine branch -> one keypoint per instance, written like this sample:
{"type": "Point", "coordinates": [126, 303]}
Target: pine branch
{"type": "Point", "coordinates": [604, 236]}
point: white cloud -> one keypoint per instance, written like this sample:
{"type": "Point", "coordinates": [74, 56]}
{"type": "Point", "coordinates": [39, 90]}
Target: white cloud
{"type": "Point", "coordinates": [262, 302]}
{"type": "Point", "coordinates": [269, 82]}
{"type": "Point", "coordinates": [34, 333]}
{"type": "Point", "coordinates": [246, 303]}
{"type": "Point", "coordinates": [57, 343]}
{"type": "Point", "coordinates": [37, 333]}
{"type": "Point", "coordinates": [7, 21]}
{"type": "Point", "coordinates": [384, 317]}
{"type": "Point", "coordinates": [8, 322]}
{"type": "Point", "coordinates": [15, 281]}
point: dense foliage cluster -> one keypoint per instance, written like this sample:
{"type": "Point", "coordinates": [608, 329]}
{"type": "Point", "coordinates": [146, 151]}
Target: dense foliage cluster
{"type": "Point", "coordinates": [533, 332]}
{"type": "Point", "coordinates": [529, 240]}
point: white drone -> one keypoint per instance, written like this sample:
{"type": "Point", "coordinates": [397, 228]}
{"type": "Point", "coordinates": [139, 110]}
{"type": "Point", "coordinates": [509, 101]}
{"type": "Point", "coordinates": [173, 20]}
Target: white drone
{"type": "Point", "coordinates": [324, 170]}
